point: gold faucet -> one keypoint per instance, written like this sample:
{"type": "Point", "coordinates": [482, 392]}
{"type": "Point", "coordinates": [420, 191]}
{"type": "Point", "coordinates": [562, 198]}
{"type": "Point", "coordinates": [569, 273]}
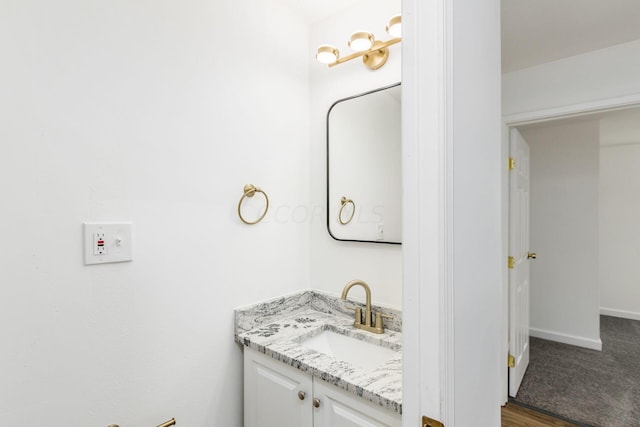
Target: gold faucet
{"type": "Point", "coordinates": [377, 328]}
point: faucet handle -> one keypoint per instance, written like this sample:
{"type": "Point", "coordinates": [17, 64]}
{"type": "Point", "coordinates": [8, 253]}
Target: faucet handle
{"type": "Point", "coordinates": [358, 311]}
{"type": "Point", "coordinates": [379, 317]}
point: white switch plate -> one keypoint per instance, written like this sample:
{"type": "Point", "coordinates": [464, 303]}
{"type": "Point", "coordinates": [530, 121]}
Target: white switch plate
{"type": "Point", "coordinates": [116, 245]}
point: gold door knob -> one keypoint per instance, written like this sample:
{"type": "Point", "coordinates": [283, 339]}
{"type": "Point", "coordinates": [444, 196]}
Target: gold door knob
{"type": "Point", "coordinates": [532, 255]}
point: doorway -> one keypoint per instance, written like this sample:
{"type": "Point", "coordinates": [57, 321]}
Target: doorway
{"type": "Point", "coordinates": [605, 129]}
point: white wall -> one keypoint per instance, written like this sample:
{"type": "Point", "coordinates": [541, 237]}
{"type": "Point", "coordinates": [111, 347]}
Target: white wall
{"type": "Point", "coordinates": [334, 263]}
{"type": "Point", "coordinates": [565, 295]}
{"type": "Point", "coordinates": [158, 113]}
{"type": "Point", "coordinates": [620, 230]}
{"type": "Point", "coordinates": [598, 75]}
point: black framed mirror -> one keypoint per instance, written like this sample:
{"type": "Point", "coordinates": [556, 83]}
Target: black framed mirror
{"type": "Point", "coordinates": [364, 176]}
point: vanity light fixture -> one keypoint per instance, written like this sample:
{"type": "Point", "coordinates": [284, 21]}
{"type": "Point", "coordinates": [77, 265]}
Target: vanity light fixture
{"type": "Point", "coordinates": [374, 53]}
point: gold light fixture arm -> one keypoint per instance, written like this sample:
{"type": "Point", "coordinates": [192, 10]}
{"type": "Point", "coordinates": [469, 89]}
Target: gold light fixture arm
{"type": "Point", "coordinates": [249, 191]}
{"type": "Point", "coordinates": [378, 51]}
{"type": "Point", "coordinates": [374, 53]}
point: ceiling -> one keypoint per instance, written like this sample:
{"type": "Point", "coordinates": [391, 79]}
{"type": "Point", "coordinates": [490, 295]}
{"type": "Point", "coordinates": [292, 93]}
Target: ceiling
{"type": "Point", "coordinates": [535, 32]}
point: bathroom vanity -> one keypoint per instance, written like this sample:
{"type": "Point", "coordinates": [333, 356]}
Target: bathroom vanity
{"type": "Point", "coordinates": [305, 364]}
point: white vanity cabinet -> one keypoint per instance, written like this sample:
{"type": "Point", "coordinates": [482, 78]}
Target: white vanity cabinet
{"type": "Point", "coordinates": [277, 395]}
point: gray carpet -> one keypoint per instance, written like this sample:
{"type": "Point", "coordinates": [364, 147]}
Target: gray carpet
{"type": "Point", "coordinates": [599, 389]}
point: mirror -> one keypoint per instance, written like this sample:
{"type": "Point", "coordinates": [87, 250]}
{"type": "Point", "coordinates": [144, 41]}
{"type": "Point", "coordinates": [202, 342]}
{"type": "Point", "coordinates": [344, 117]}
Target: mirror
{"type": "Point", "coordinates": [364, 181]}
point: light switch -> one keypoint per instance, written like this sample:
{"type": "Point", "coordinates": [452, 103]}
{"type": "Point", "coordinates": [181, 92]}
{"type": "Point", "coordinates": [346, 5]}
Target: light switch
{"type": "Point", "coordinates": [107, 242]}
{"type": "Point", "coordinates": [380, 232]}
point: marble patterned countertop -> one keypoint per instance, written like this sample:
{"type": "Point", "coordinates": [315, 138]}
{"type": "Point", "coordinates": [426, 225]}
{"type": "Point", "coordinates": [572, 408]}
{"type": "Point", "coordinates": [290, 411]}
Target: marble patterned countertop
{"type": "Point", "coordinates": [279, 326]}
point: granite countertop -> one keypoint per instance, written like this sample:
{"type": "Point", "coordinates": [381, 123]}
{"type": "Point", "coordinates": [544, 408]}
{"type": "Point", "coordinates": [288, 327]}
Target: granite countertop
{"type": "Point", "coordinates": [278, 327]}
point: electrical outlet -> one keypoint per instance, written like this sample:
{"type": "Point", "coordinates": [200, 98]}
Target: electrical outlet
{"type": "Point", "coordinates": [107, 242]}
{"type": "Point", "coordinates": [99, 246]}
{"type": "Point", "coordinates": [380, 231]}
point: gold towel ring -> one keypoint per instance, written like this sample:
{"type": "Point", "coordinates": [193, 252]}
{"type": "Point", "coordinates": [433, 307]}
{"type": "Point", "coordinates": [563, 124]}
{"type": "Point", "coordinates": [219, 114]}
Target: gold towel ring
{"type": "Point", "coordinates": [250, 191]}
{"type": "Point", "coordinates": [344, 202]}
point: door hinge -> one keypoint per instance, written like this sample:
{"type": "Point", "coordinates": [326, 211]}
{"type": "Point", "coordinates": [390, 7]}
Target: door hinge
{"type": "Point", "coordinates": [511, 262]}
{"type": "Point", "coordinates": [430, 422]}
{"type": "Point", "coordinates": [512, 163]}
{"type": "Point", "coordinates": [511, 361]}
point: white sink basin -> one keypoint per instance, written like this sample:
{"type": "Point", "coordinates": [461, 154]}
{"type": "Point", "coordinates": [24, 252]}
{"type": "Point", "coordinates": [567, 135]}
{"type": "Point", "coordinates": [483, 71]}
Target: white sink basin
{"type": "Point", "coordinates": [354, 351]}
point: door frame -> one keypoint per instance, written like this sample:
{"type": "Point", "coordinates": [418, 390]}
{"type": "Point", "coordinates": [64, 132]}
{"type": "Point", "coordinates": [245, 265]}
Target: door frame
{"type": "Point", "coordinates": [440, 107]}
{"type": "Point", "coordinates": [515, 120]}
{"type": "Point", "coordinates": [427, 202]}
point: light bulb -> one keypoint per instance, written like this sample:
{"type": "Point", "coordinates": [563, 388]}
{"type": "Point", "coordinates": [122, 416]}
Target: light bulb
{"type": "Point", "coordinates": [327, 54]}
{"type": "Point", "coordinates": [361, 41]}
{"type": "Point", "coordinates": [395, 26]}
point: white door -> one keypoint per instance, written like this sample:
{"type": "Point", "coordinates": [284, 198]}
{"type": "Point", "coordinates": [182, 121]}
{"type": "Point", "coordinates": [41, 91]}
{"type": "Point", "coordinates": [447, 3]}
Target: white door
{"type": "Point", "coordinates": [519, 260]}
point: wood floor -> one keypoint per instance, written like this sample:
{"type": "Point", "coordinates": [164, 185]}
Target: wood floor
{"type": "Point", "coordinates": [517, 416]}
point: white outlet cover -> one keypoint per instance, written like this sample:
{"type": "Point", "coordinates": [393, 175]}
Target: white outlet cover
{"type": "Point", "coordinates": [117, 240]}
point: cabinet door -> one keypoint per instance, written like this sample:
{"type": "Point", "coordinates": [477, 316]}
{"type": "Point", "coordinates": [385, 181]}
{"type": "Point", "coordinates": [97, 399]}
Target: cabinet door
{"type": "Point", "coordinates": [341, 409]}
{"type": "Point", "coordinates": [271, 391]}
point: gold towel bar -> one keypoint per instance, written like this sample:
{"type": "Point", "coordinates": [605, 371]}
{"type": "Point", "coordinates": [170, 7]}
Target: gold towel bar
{"type": "Point", "coordinates": [249, 191]}
{"type": "Point", "coordinates": [169, 423]}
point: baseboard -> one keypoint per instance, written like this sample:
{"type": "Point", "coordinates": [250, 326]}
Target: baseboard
{"type": "Point", "coordinates": [620, 313]}
{"type": "Point", "coordinates": [566, 339]}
